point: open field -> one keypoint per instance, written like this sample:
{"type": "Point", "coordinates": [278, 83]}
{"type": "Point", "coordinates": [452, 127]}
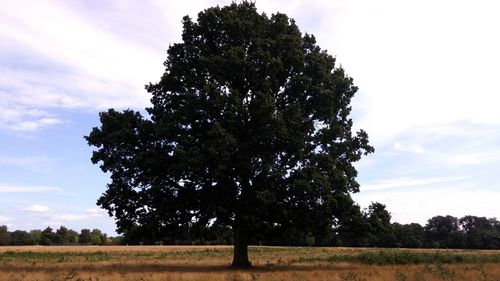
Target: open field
{"type": "Point", "coordinates": [270, 263]}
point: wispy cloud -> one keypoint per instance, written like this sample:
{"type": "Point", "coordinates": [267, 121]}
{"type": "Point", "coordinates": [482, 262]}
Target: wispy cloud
{"type": "Point", "coordinates": [409, 147]}
{"type": "Point", "coordinates": [466, 159]}
{"type": "Point", "coordinates": [75, 54]}
{"type": "Point", "coordinates": [419, 205]}
{"type": "Point", "coordinates": [66, 60]}
{"type": "Point", "coordinates": [9, 188]}
{"type": "Point", "coordinates": [87, 214]}
{"type": "Point", "coordinates": [51, 215]}
{"type": "Point", "coordinates": [4, 219]}
{"type": "Point", "coordinates": [39, 163]}
{"type": "Point", "coordinates": [33, 125]}
{"type": "Point", "coordinates": [406, 182]}
{"type": "Point", "coordinates": [23, 160]}
{"type": "Point", "coordinates": [95, 212]}
{"type": "Point", "coordinates": [22, 117]}
{"type": "Point", "coordinates": [421, 65]}
{"type": "Point", "coordinates": [37, 208]}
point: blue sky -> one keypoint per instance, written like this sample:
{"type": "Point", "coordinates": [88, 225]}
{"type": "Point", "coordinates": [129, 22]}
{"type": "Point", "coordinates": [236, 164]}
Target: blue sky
{"type": "Point", "coordinates": [427, 73]}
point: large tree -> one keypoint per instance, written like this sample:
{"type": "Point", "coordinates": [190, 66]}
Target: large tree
{"type": "Point", "coordinates": [249, 128]}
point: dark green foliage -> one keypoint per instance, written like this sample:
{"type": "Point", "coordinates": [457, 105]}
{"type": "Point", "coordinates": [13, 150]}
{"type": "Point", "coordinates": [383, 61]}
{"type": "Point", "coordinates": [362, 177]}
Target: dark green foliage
{"type": "Point", "coordinates": [116, 240]}
{"type": "Point", "coordinates": [450, 232]}
{"type": "Point", "coordinates": [373, 228]}
{"type": "Point", "coordinates": [249, 128]}
{"type": "Point", "coordinates": [5, 237]}
{"type": "Point", "coordinates": [20, 237]}
{"type": "Point", "coordinates": [62, 236]}
{"type": "Point", "coordinates": [409, 235]}
{"type": "Point", "coordinates": [72, 236]}
{"type": "Point", "coordinates": [381, 229]}
{"type": "Point", "coordinates": [444, 232]}
{"type": "Point", "coordinates": [94, 237]}
{"type": "Point", "coordinates": [473, 233]}
{"type": "Point", "coordinates": [481, 232]}
{"type": "Point", "coordinates": [85, 237]}
{"type": "Point", "coordinates": [36, 236]}
{"type": "Point", "coordinates": [97, 237]}
{"type": "Point", "coordinates": [47, 236]}
{"type": "Point", "coordinates": [353, 228]}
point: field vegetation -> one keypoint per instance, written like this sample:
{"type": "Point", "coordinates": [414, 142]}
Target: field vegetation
{"type": "Point", "coordinates": [270, 263]}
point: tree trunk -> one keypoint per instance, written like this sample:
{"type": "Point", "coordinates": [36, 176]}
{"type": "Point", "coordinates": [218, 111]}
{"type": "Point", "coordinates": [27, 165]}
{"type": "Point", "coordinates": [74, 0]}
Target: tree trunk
{"type": "Point", "coordinates": [240, 256]}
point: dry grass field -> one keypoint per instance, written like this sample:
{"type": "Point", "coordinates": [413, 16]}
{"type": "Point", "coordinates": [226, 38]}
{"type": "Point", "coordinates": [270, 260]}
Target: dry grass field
{"type": "Point", "coordinates": [205, 263]}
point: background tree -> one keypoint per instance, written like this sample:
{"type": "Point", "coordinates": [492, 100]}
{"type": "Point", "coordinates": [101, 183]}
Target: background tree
{"type": "Point", "coordinates": [97, 237]}
{"type": "Point", "coordinates": [47, 236]}
{"type": "Point", "coordinates": [4, 235]}
{"type": "Point", "coordinates": [116, 240]}
{"type": "Point", "coordinates": [249, 128]}
{"type": "Point", "coordinates": [72, 236]}
{"type": "Point", "coordinates": [61, 236]}
{"type": "Point", "coordinates": [352, 228]}
{"type": "Point", "coordinates": [444, 232]}
{"type": "Point", "coordinates": [381, 229]}
{"type": "Point", "coordinates": [21, 237]}
{"type": "Point", "coordinates": [409, 235]}
{"type": "Point", "coordinates": [481, 232]}
{"type": "Point", "coordinates": [36, 236]}
{"type": "Point", "coordinates": [64, 236]}
{"type": "Point", "coordinates": [85, 236]}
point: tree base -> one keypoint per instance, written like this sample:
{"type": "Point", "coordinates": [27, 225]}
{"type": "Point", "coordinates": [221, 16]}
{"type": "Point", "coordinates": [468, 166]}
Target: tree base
{"type": "Point", "coordinates": [241, 265]}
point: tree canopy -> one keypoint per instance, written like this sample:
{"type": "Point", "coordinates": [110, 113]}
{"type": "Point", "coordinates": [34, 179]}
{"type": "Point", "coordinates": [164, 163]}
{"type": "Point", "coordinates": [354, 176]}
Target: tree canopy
{"type": "Point", "coordinates": [249, 128]}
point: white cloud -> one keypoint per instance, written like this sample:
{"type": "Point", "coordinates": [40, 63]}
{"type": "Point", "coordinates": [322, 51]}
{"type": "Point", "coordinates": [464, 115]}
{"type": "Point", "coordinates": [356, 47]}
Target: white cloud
{"type": "Point", "coordinates": [78, 55]}
{"type": "Point", "coordinates": [485, 154]}
{"type": "Point", "coordinates": [20, 116]}
{"type": "Point", "coordinates": [9, 188]}
{"type": "Point", "coordinates": [72, 217]}
{"type": "Point", "coordinates": [69, 217]}
{"type": "Point", "coordinates": [56, 216]}
{"type": "Point", "coordinates": [406, 182]}
{"type": "Point", "coordinates": [412, 74]}
{"type": "Point", "coordinates": [466, 159]}
{"type": "Point", "coordinates": [83, 65]}
{"type": "Point", "coordinates": [4, 219]}
{"type": "Point", "coordinates": [419, 205]}
{"type": "Point", "coordinates": [409, 147]}
{"type": "Point", "coordinates": [419, 73]}
{"type": "Point", "coordinates": [37, 208]}
{"type": "Point", "coordinates": [91, 213]}
{"type": "Point", "coordinates": [21, 161]}
{"type": "Point", "coordinates": [39, 163]}
{"type": "Point", "coordinates": [95, 212]}
{"type": "Point", "coordinates": [33, 125]}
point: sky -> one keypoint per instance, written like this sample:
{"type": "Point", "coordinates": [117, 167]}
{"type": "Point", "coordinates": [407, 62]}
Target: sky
{"type": "Point", "coordinates": [427, 73]}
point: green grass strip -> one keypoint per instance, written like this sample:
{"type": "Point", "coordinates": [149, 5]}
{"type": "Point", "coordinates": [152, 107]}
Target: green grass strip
{"type": "Point", "coordinates": [401, 257]}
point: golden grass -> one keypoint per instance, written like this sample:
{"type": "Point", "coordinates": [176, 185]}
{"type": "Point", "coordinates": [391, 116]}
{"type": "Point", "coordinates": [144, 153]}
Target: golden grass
{"type": "Point", "coordinates": [205, 263]}
{"type": "Point", "coordinates": [87, 249]}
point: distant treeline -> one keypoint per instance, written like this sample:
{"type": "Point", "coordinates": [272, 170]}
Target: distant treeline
{"type": "Point", "coordinates": [62, 236]}
{"type": "Point", "coordinates": [375, 229]}
{"type": "Point", "coordinates": [369, 228]}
